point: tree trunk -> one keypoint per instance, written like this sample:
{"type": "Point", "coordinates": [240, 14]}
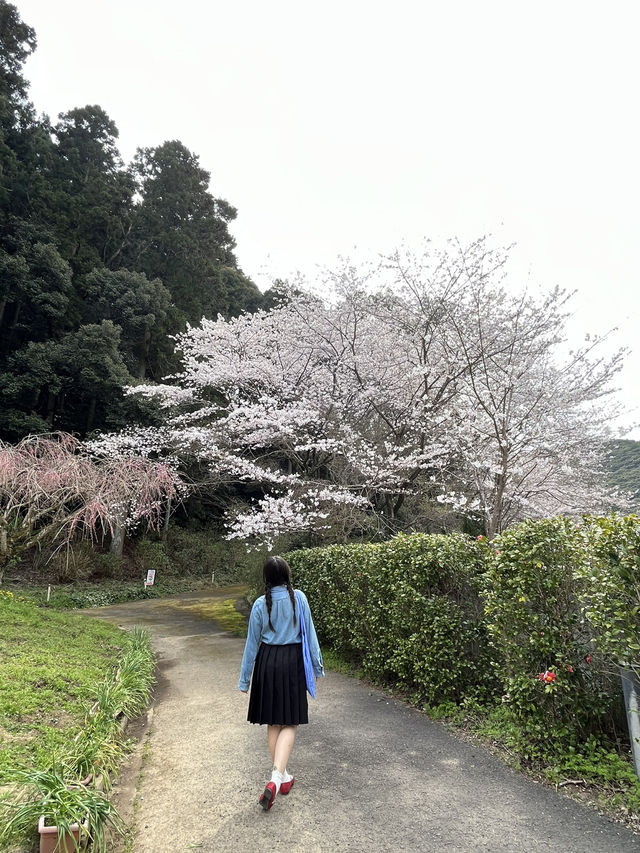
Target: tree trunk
{"type": "Point", "coordinates": [117, 541]}
{"type": "Point", "coordinates": [92, 413]}
{"type": "Point", "coordinates": [3, 305]}
{"type": "Point", "coordinates": [16, 315]}
{"type": "Point", "coordinates": [118, 251]}
{"type": "Point", "coordinates": [4, 552]}
{"type": "Point", "coordinates": [388, 507]}
{"type": "Point", "coordinates": [495, 521]}
{"type": "Point", "coordinates": [165, 526]}
{"type": "Point", "coordinates": [146, 346]}
{"type": "Point", "coordinates": [51, 407]}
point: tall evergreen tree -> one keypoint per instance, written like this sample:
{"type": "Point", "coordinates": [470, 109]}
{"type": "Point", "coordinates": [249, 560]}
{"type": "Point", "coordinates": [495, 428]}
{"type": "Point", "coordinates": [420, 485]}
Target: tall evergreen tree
{"type": "Point", "coordinates": [180, 234]}
{"type": "Point", "coordinates": [141, 308]}
{"type": "Point", "coordinates": [99, 264]}
{"type": "Point", "coordinates": [94, 191]}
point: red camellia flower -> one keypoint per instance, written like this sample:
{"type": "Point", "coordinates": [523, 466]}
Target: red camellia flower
{"type": "Point", "coordinates": [588, 658]}
{"type": "Point", "coordinates": [480, 538]}
{"type": "Point", "coordinates": [547, 676]}
{"type": "Point", "coordinates": [569, 668]}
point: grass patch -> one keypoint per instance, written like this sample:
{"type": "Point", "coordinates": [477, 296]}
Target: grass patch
{"type": "Point", "coordinates": [64, 679]}
{"type": "Point", "coordinates": [50, 663]}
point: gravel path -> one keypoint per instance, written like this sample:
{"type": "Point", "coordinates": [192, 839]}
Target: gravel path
{"type": "Point", "coordinates": [371, 774]}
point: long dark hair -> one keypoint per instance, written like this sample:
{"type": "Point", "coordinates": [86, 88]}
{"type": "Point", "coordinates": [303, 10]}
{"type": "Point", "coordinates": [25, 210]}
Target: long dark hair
{"type": "Point", "coordinates": [276, 572]}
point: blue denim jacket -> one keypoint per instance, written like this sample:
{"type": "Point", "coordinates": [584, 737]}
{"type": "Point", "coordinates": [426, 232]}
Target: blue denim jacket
{"type": "Point", "coordinates": [284, 631]}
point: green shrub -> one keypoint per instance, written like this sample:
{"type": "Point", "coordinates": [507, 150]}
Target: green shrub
{"type": "Point", "coordinates": [541, 617]}
{"type": "Point", "coordinates": [610, 592]}
{"type": "Point", "coordinates": [334, 579]}
{"type": "Point", "coordinates": [153, 556]}
{"type": "Point", "coordinates": [198, 553]}
{"type": "Point", "coordinates": [407, 610]}
{"type": "Point", "coordinates": [431, 659]}
{"type": "Point", "coordinates": [73, 563]}
{"type": "Point", "coordinates": [107, 565]}
{"type": "Point", "coordinates": [78, 562]}
{"type": "Point", "coordinates": [554, 681]}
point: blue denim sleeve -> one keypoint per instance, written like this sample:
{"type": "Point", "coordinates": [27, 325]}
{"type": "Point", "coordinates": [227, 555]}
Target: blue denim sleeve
{"type": "Point", "coordinates": [312, 637]}
{"type": "Point", "coordinates": [254, 633]}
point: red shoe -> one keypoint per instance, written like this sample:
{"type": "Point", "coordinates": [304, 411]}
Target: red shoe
{"type": "Point", "coordinates": [268, 797]}
{"type": "Point", "coordinates": [285, 787]}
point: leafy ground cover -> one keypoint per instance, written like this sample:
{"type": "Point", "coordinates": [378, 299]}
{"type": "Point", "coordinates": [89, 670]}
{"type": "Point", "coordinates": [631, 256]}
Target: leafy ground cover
{"type": "Point", "coordinates": [65, 683]}
{"type": "Point", "coordinates": [50, 663]}
{"type": "Point", "coordinates": [597, 772]}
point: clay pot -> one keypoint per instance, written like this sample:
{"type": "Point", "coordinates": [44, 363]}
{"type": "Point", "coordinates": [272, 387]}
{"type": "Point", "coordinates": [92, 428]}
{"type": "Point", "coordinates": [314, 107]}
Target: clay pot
{"type": "Point", "coordinates": [49, 838]}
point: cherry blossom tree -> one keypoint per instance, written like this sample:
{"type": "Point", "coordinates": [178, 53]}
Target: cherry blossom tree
{"type": "Point", "coordinates": [52, 488]}
{"type": "Point", "coordinates": [323, 406]}
{"type": "Point", "coordinates": [419, 376]}
{"type": "Point", "coordinates": [532, 426]}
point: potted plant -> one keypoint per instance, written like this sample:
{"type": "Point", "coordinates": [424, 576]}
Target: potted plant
{"type": "Point", "coordinates": [58, 839]}
{"type": "Point", "coordinates": [67, 816]}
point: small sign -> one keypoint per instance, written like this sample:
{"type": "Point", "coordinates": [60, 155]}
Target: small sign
{"type": "Point", "coordinates": [151, 576]}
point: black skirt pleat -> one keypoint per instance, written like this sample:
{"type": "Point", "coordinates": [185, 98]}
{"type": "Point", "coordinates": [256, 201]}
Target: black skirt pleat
{"type": "Point", "coordinates": [278, 687]}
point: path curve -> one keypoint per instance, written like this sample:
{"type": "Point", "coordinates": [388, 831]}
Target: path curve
{"type": "Point", "coordinates": [371, 773]}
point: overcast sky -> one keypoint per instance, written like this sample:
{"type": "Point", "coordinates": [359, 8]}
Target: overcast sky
{"type": "Point", "coordinates": [344, 128]}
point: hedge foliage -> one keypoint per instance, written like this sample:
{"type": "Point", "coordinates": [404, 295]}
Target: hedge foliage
{"type": "Point", "coordinates": [557, 682]}
{"type": "Point", "coordinates": [540, 620]}
{"type": "Point", "coordinates": [408, 611]}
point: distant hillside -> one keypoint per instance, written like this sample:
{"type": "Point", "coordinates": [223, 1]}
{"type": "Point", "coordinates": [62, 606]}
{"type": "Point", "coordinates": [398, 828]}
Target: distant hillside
{"type": "Point", "coordinates": [624, 466]}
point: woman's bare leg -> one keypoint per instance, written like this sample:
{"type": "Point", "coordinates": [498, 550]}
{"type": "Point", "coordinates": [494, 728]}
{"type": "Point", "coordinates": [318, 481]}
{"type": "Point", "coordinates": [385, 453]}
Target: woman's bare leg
{"type": "Point", "coordinates": [272, 737]}
{"type": "Point", "coordinates": [283, 746]}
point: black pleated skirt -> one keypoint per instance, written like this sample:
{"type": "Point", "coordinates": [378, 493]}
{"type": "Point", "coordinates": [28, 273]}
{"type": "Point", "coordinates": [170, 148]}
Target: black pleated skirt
{"type": "Point", "coordinates": [278, 687]}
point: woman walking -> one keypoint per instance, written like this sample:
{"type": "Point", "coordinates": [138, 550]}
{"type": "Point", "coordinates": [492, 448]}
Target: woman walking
{"type": "Point", "coordinates": [274, 652]}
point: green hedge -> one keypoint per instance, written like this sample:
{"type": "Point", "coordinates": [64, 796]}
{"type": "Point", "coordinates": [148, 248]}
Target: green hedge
{"type": "Point", "coordinates": [407, 611]}
{"type": "Point", "coordinates": [557, 683]}
{"type": "Point", "coordinates": [610, 593]}
{"type": "Point", "coordinates": [538, 621]}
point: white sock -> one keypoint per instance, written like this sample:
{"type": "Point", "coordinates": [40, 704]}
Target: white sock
{"type": "Point", "coordinates": [286, 777]}
{"type": "Point", "coordinates": [276, 778]}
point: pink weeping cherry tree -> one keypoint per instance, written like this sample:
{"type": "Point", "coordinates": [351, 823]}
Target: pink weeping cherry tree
{"type": "Point", "coordinates": [52, 489]}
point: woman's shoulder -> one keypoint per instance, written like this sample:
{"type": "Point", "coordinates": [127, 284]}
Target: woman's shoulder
{"type": "Point", "coordinates": [258, 602]}
{"type": "Point", "coordinates": [302, 595]}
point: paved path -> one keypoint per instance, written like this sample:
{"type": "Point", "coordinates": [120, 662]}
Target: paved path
{"type": "Point", "coordinates": [371, 774]}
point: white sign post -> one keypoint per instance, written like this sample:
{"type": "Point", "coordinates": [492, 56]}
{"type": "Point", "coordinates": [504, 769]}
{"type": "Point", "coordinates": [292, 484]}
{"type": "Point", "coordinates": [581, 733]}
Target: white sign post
{"type": "Point", "coordinates": [151, 576]}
